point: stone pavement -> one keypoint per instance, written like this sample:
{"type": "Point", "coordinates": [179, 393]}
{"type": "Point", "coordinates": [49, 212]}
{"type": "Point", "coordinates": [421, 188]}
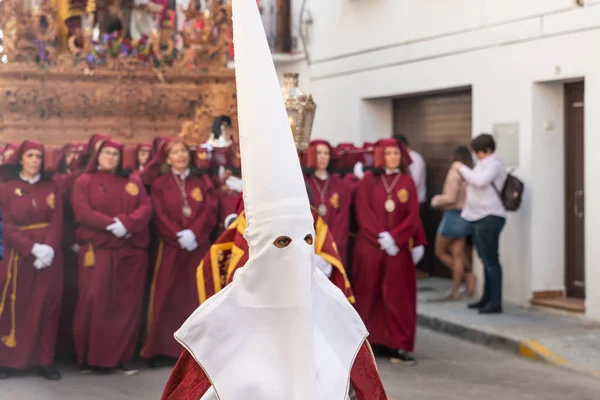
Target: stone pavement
{"type": "Point", "coordinates": [563, 340]}
{"type": "Point", "coordinates": [448, 369]}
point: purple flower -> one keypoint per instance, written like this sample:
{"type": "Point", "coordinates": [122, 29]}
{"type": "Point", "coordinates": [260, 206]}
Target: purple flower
{"type": "Point", "coordinates": [90, 59]}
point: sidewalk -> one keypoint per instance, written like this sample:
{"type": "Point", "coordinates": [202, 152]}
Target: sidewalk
{"type": "Point", "coordinates": [561, 340]}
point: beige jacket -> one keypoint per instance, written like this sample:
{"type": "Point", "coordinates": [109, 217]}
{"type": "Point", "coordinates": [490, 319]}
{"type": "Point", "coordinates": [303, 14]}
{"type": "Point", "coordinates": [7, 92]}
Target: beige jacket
{"type": "Point", "coordinates": [454, 193]}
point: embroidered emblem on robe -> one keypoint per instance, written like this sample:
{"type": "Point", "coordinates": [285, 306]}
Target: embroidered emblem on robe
{"type": "Point", "coordinates": [197, 195]}
{"type": "Point", "coordinates": [335, 200]}
{"type": "Point", "coordinates": [132, 189]}
{"type": "Point", "coordinates": [402, 195]}
{"type": "Point", "coordinates": [51, 200]}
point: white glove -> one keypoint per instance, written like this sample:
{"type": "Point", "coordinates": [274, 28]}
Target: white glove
{"type": "Point", "coordinates": [39, 264]}
{"type": "Point", "coordinates": [417, 254]}
{"type": "Point", "coordinates": [387, 244]}
{"type": "Point", "coordinates": [75, 248]}
{"type": "Point", "coordinates": [385, 240]}
{"type": "Point", "coordinates": [392, 250]}
{"type": "Point", "coordinates": [323, 265]}
{"type": "Point", "coordinates": [193, 246]}
{"type": "Point", "coordinates": [44, 253]}
{"type": "Point", "coordinates": [229, 220]}
{"type": "Point", "coordinates": [359, 172]}
{"type": "Point", "coordinates": [234, 183]}
{"type": "Point", "coordinates": [186, 239]}
{"type": "Point", "coordinates": [117, 228]}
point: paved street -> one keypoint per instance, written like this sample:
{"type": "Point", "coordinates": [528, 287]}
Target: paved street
{"type": "Point", "coordinates": [448, 369]}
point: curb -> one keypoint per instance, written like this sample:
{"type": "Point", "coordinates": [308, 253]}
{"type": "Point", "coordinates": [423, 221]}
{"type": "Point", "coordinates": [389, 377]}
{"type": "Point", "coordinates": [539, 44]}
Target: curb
{"type": "Point", "coordinates": [530, 349]}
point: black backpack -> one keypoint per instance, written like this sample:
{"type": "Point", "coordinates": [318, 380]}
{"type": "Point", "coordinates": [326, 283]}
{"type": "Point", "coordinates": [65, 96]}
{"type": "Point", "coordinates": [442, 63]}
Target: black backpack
{"type": "Point", "coordinates": [511, 194]}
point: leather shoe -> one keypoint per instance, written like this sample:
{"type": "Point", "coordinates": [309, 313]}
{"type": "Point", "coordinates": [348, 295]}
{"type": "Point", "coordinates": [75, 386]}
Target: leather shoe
{"type": "Point", "coordinates": [490, 309]}
{"type": "Point", "coordinates": [480, 304]}
{"type": "Point", "coordinates": [50, 372]}
{"type": "Point", "coordinates": [4, 373]}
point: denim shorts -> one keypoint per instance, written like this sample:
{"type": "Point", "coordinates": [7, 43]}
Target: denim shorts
{"type": "Point", "coordinates": [453, 225]}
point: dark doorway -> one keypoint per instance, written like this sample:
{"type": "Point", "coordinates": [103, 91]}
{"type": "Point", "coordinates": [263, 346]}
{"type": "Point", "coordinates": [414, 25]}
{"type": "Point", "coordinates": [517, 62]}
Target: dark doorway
{"type": "Point", "coordinates": [575, 191]}
{"type": "Point", "coordinates": [434, 125]}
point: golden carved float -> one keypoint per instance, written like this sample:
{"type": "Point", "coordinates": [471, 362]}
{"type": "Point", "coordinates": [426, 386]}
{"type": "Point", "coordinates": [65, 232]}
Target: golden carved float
{"type": "Point", "coordinates": [132, 90]}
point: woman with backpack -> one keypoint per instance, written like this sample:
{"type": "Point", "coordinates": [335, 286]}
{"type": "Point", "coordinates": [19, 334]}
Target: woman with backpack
{"type": "Point", "coordinates": [485, 210]}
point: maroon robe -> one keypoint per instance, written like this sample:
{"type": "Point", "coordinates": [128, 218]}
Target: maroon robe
{"type": "Point", "coordinates": [228, 204]}
{"type": "Point", "coordinates": [112, 271]}
{"type": "Point", "coordinates": [189, 382]}
{"type": "Point", "coordinates": [385, 286]}
{"type": "Point", "coordinates": [65, 346]}
{"type": "Point", "coordinates": [173, 292]}
{"type": "Point", "coordinates": [30, 299]}
{"type": "Point", "coordinates": [336, 196]}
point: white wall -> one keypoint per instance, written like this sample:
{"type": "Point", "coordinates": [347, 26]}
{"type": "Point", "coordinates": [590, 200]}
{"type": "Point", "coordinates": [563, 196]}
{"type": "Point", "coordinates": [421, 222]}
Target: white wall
{"type": "Point", "coordinates": [512, 54]}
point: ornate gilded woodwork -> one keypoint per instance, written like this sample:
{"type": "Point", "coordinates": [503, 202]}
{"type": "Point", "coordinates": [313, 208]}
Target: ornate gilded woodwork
{"type": "Point", "coordinates": [65, 98]}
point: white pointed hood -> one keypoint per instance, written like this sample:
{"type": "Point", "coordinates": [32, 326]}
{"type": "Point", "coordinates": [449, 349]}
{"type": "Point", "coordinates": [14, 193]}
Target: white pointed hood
{"type": "Point", "coordinates": [281, 329]}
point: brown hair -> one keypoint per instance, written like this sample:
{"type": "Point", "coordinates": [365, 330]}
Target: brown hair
{"type": "Point", "coordinates": [463, 154]}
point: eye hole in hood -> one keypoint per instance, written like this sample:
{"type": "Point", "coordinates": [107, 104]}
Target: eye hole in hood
{"type": "Point", "coordinates": [309, 239]}
{"type": "Point", "coordinates": [282, 242]}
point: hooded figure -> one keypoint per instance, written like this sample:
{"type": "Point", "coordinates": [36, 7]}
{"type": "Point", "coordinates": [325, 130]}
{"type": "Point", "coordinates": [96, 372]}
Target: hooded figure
{"type": "Point", "coordinates": [281, 329]}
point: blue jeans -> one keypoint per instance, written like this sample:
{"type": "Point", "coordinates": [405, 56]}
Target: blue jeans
{"type": "Point", "coordinates": [486, 238]}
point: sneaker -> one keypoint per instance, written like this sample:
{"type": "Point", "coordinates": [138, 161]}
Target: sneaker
{"type": "Point", "coordinates": [128, 369]}
{"type": "Point", "coordinates": [402, 357]}
{"type": "Point", "coordinates": [50, 372]}
{"type": "Point", "coordinates": [85, 369]}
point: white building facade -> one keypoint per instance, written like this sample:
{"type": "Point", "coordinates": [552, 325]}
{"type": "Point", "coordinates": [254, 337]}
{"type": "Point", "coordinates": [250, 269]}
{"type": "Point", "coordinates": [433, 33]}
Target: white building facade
{"type": "Point", "coordinates": [441, 72]}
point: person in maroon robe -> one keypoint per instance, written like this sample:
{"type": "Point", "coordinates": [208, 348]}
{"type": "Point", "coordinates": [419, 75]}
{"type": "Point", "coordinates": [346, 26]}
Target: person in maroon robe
{"type": "Point", "coordinates": [331, 196]}
{"type": "Point", "coordinates": [31, 275]}
{"type": "Point", "coordinates": [144, 155]}
{"type": "Point", "coordinates": [65, 176]}
{"type": "Point", "coordinates": [230, 188]}
{"type": "Point", "coordinates": [9, 150]}
{"type": "Point", "coordinates": [151, 170]}
{"type": "Point", "coordinates": [113, 213]}
{"type": "Point", "coordinates": [384, 273]}
{"type": "Point", "coordinates": [185, 204]}
{"type": "Point", "coordinates": [90, 149]}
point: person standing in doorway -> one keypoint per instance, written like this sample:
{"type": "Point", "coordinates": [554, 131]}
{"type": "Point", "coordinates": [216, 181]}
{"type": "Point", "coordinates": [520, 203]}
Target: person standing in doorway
{"type": "Point", "coordinates": [484, 209]}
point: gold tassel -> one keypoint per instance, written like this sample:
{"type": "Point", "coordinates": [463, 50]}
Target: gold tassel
{"type": "Point", "coordinates": [10, 341]}
{"type": "Point", "coordinates": [7, 283]}
{"type": "Point", "coordinates": [89, 260]}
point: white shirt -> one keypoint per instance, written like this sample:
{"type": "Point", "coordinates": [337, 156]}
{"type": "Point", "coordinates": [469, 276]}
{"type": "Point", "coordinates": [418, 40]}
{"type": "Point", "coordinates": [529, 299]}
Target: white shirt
{"type": "Point", "coordinates": [183, 176]}
{"type": "Point", "coordinates": [31, 181]}
{"type": "Point", "coordinates": [418, 171]}
{"type": "Point", "coordinates": [482, 199]}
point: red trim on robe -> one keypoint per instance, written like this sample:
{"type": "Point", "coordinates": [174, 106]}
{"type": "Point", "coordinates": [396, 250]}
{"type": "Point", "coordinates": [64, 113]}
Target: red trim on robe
{"type": "Point", "coordinates": [189, 382]}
